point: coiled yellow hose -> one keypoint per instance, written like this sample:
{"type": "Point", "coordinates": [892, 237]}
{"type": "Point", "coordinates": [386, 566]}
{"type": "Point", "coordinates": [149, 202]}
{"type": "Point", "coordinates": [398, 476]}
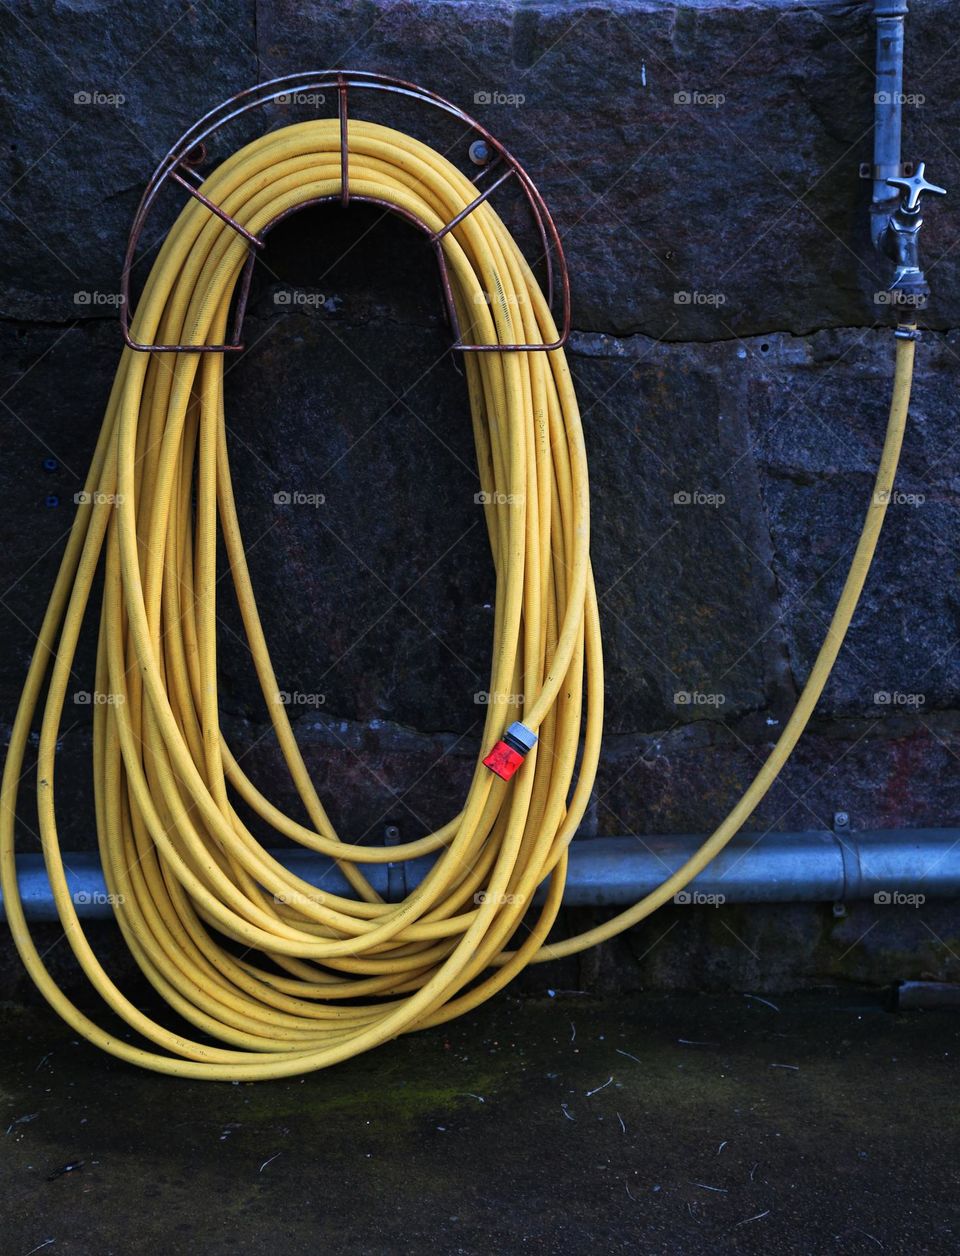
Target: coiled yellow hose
{"type": "Point", "coordinates": [287, 976]}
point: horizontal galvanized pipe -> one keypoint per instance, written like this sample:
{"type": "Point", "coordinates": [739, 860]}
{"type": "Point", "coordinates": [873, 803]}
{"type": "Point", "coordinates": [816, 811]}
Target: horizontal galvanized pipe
{"type": "Point", "coordinates": [818, 867]}
{"type": "Point", "coordinates": [927, 995]}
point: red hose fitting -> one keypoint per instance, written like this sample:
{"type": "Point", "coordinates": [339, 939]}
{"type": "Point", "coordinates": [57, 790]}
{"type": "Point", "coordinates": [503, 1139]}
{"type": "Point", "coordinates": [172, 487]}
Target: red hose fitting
{"type": "Point", "coordinates": [510, 751]}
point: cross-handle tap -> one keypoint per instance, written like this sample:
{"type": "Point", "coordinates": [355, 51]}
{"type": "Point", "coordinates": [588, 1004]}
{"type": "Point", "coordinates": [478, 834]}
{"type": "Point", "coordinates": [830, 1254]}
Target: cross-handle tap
{"type": "Point", "coordinates": [895, 221]}
{"type": "Point", "coordinates": [914, 187]}
{"type": "Point", "coordinates": [898, 237]}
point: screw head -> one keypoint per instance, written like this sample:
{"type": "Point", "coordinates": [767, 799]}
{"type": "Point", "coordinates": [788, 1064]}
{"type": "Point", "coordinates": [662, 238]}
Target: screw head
{"type": "Point", "coordinates": [841, 820]}
{"type": "Point", "coordinates": [480, 152]}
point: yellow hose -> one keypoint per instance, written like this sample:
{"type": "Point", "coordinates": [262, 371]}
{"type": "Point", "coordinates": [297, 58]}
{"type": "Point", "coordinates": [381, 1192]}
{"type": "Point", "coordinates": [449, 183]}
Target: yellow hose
{"type": "Point", "coordinates": [289, 977]}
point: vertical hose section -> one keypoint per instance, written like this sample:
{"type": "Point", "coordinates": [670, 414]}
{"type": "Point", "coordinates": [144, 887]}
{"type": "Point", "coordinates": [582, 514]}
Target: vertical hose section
{"type": "Point", "coordinates": [277, 976]}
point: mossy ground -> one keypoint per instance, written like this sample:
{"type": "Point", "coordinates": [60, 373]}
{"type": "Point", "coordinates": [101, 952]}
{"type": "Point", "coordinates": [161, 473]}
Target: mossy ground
{"type": "Point", "coordinates": [655, 1124]}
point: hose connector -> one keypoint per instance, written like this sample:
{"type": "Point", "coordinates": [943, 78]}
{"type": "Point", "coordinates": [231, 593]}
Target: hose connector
{"type": "Point", "coordinates": [510, 751]}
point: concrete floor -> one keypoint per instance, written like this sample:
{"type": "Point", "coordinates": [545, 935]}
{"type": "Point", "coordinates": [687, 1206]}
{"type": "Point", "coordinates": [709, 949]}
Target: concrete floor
{"type": "Point", "coordinates": [658, 1124]}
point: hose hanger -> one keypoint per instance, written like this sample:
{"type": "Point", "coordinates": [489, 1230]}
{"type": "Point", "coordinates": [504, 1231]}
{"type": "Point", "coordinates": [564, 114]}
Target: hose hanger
{"type": "Point", "coordinates": [181, 162]}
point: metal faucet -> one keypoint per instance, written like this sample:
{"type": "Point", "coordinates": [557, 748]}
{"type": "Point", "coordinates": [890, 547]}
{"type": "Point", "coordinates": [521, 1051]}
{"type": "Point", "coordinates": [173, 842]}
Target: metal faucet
{"type": "Point", "coordinates": [896, 219]}
{"type": "Point", "coordinates": [900, 239]}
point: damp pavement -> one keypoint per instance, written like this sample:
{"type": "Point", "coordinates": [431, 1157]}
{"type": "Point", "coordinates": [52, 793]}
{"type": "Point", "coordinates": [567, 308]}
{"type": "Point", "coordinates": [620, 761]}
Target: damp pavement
{"type": "Point", "coordinates": [818, 1122]}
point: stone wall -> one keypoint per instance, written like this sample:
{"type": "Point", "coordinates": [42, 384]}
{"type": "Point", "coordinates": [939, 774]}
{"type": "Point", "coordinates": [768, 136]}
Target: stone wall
{"type": "Point", "coordinates": [701, 160]}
